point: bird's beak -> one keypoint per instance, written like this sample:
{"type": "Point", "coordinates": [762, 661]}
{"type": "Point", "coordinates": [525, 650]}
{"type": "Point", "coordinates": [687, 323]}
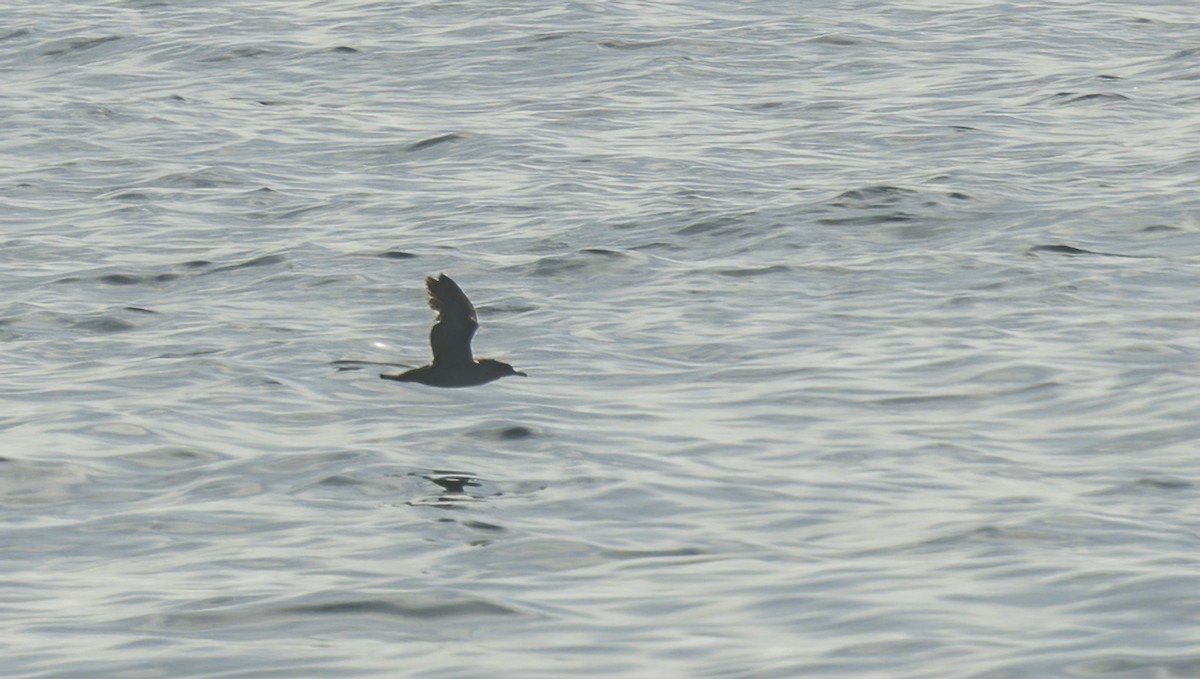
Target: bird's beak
{"type": "Point", "coordinates": [518, 372]}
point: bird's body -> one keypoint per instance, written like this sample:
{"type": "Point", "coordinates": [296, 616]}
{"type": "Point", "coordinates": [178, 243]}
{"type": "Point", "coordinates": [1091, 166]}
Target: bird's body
{"type": "Point", "coordinates": [453, 365]}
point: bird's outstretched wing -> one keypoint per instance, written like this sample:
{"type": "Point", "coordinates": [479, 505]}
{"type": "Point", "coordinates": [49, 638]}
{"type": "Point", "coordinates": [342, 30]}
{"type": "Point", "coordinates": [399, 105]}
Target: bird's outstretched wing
{"type": "Point", "coordinates": [455, 326]}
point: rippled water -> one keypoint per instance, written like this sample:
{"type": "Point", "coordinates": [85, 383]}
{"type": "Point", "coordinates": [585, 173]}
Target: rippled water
{"type": "Point", "coordinates": [861, 339]}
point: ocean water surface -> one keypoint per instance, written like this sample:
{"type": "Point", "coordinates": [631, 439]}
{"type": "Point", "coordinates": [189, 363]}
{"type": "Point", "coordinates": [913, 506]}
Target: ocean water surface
{"type": "Point", "coordinates": [861, 339]}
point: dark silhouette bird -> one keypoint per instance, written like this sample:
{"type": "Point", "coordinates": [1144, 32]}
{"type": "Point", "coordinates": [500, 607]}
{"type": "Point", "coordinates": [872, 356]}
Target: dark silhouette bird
{"type": "Point", "coordinates": [453, 365]}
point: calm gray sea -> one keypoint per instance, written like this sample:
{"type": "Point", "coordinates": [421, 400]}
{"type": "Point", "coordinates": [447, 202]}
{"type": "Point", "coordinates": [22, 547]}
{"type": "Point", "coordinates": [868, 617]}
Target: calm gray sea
{"type": "Point", "coordinates": [861, 339]}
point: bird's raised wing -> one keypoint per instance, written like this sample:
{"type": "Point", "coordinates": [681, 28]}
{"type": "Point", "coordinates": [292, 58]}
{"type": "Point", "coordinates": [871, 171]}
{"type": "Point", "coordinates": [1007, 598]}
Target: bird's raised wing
{"type": "Point", "coordinates": [455, 326]}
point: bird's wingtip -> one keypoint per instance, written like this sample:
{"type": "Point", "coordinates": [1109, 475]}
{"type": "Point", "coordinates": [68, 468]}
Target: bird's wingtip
{"type": "Point", "coordinates": [441, 279]}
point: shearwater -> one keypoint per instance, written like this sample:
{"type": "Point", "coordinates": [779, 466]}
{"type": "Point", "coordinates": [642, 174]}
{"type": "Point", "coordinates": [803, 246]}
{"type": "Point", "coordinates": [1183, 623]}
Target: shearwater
{"type": "Point", "coordinates": [453, 365]}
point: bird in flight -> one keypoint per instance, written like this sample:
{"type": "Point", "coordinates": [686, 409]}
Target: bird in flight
{"type": "Point", "coordinates": [453, 365]}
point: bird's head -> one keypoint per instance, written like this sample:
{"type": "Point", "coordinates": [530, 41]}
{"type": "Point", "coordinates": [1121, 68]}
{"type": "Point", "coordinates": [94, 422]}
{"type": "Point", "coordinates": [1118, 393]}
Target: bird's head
{"type": "Point", "coordinates": [497, 369]}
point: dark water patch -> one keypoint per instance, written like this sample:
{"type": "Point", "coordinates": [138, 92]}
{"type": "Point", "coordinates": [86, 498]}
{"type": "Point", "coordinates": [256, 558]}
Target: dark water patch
{"type": "Point", "coordinates": [716, 225]}
{"type": "Point", "coordinates": [433, 141]}
{"type": "Point", "coordinates": [287, 215]}
{"type": "Point", "coordinates": [869, 220]}
{"type": "Point", "coordinates": [1147, 485]}
{"type": "Point", "coordinates": [220, 488]}
{"type": "Point", "coordinates": [81, 45]}
{"type": "Point", "coordinates": [1059, 250]}
{"type": "Point", "coordinates": [1163, 483]}
{"type": "Point", "coordinates": [881, 205]}
{"type": "Point", "coordinates": [1072, 251]}
{"type": "Point", "coordinates": [190, 354]}
{"type": "Point", "coordinates": [1099, 96]}
{"type": "Point", "coordinates": [657, 245]}
{"type": "Point", "coordinates": [920, 401]}
{"type": "Point", "coordinates": [170, 459]}
{"type": "Point", "coordinates": [1133, 665]}
{"type": "Point", "coordinates": [205, 178]}
{"type": "Point", "coordinates": [543, 38]}
{"type": "Point", "coordinates": [633, 44]}
{"type": "Point", "coordinates": [1076, 98]}
{"type": "Point", "coordinates": [868, 197]}
{"type": "Point", "coordinates": [1144, 487]}
{"type": "Point", "coordinates": [345, 49]}
{"type": "Point", "coordinates": [587, 259]}
{"type": "Point", "coordinates": [367, 610]}
{"type": "Point", "coordinates": [836, 39]}
{"type": "Point", "coordinates": [104, 325]}
{"type": "Point", "coordinates": [886, 204]}
{"type": "Point", "coordinates": [139, 310]}
{"type": "Point", "coordinates": [505, 308]}
{"type": "Point", "coordinates": [504, 433]}
{"type": "Point", "coordinates": [340, 481]}
{"type": "Point", "coordinates": [1160, 228]}
{"type": "Point", "coordinates": [406, 608]}
{"type": "Point", "coordinates": [132, 196]}
{"type": "Point", "coordinates": [484, 526]}
{"type": "Point", "coordinates": [264, 260]}
{"type": "Point", "coordinates": [516, 432]}
{"type": "Point", "coordinates": [121, 279]}
{"type": "Point", "coordinates": [360, 483]}
{"type": "Point", "coordinates": [197, 264]}
{"type": "Point", "coordinates": [1189, 53]}
{"type": "Point", "coordinates": [27, 483]}
{"type": "Point", "coordinates": [680, 552]}
{"type": "Point", "coordinates": [133, 279]}
{"type": "Point", "coordinates": [749, 272]}
{"type": "Point", "coordinates": [235, 54]}
{"type": "Point", "coordinates": [19, 33]}
{"type": "Point", "coordinates": [397, 254]}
